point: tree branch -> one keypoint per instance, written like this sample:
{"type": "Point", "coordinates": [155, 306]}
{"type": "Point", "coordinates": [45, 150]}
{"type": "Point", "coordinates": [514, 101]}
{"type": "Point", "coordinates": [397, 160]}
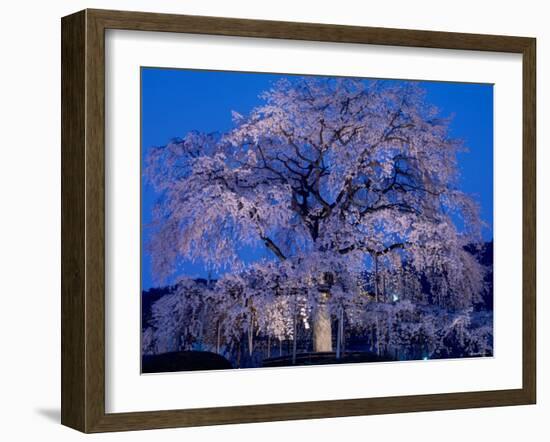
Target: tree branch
{"type": "Point", "coordinates": [399, 245]}
{"type": "Point", "coordinates": [273, 247]}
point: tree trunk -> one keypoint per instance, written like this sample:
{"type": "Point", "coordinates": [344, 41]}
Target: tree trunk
{"type": "Point", "coordinates": [384, 287]}
{"type": "Point", "coordinates": [376, 277]}
{"type": "Point", "coordinates": [218, 338]}
{"type": "Point", "coordinates": [250, 338]}
{"type": "Point", "coordinates": [294, 333]}
{"type": "Point", "coordinates": [338, 337]}
{"type": "Point", "coordinates": [377, 338]}
{"type": "Point", "coordinates": [340, 334]}
{"type": "Point", "coordinates": [322, 329]}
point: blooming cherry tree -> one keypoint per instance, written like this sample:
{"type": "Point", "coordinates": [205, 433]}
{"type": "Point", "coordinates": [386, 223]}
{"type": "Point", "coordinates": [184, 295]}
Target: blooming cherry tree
{"type": "Point", "coordinates": [335, 178]}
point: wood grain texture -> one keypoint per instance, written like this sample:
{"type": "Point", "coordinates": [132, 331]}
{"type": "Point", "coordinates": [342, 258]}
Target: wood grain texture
{"type": "Point", "coordinates": [529, 221]}
{"type": "Point", "coordinates": [73, 129]}
{"type": "Point", "coordinates": [83, 220]}
{"type": "Point", "coordinates": [144, 21]}
{"type": "Point", "coordinates": [95, 222]}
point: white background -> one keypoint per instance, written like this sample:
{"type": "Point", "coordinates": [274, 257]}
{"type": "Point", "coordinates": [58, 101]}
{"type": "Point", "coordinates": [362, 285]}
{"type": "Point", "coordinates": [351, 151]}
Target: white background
{"type": "Point", "coordinates": [30, 222]}
{"type": "Point", "coordinates": [128, 391]}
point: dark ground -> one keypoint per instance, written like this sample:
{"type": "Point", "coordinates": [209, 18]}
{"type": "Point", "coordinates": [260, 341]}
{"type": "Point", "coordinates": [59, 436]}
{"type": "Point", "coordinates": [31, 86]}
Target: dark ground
{"type": "Point", "coordinates": [183, 361]}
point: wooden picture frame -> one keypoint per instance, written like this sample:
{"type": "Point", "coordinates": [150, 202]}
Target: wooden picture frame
{"type": "Point", "coordinates": [83, 220]}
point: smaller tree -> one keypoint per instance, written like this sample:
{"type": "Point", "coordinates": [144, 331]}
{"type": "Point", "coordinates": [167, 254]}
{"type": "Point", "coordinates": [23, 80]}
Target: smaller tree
{"type": "Point", "coordinates": [177, 318]}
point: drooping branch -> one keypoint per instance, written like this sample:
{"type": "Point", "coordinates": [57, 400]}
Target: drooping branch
{"type": "Point", "coordinates": [273, 247]}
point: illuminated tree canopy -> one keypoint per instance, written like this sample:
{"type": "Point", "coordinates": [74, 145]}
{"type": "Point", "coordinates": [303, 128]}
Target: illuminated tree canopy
{"type": "Point", "coordinates": [352, 187]}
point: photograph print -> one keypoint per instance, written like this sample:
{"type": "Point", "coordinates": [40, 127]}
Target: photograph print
{"type": "Point", "coordinates": [298, 220]}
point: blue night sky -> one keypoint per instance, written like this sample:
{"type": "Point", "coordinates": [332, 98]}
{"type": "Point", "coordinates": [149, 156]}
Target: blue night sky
{"type": "Point", "coordinates": [176, 101]}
